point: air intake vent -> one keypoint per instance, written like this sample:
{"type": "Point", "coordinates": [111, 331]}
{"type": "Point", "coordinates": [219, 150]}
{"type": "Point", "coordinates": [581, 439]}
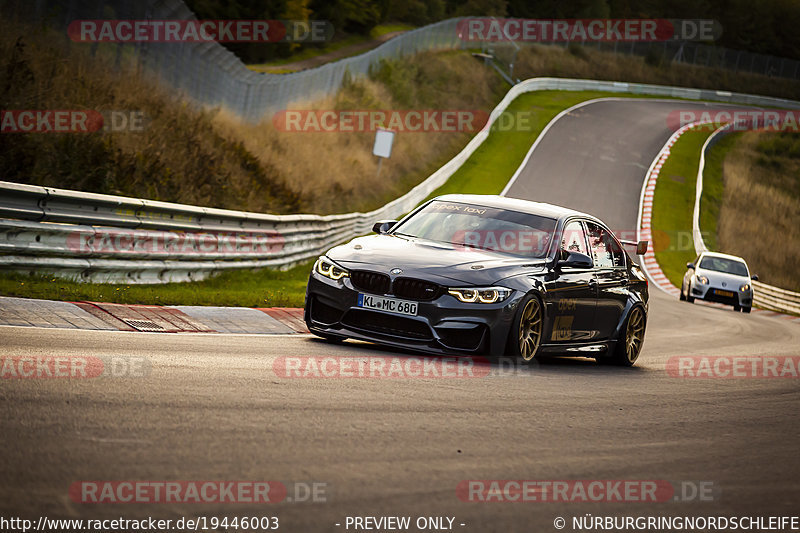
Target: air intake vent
{"type": "Point", "coordinates": [387, 324]}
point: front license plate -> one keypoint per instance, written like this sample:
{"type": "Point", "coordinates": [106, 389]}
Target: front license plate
{"type": "Point", "coordinates": [727, 294]}
{"type": "Point", "coordinates": [390, 305]}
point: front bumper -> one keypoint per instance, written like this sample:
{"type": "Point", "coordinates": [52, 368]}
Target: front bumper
{"type": "Point", "coordinates": [723, 295]}
{"type": "Point", "coordinates": [442, 326]}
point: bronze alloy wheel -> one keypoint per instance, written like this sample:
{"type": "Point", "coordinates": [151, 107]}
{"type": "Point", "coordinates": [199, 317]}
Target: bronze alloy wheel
{"type": "Point", "coordinates": [634, 335]}
{"type": "Point", "coordinates": [530, 329]}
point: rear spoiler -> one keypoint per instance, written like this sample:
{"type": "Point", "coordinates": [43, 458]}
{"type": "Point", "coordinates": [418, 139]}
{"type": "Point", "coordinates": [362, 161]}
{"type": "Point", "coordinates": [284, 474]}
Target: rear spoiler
{"type": "Point", "coordinates": [641, 246]}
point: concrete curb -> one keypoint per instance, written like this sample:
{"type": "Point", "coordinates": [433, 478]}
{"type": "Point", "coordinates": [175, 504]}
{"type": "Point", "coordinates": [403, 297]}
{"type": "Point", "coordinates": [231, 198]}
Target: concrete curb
{"type": "Point", "coordinates": [150, 318]}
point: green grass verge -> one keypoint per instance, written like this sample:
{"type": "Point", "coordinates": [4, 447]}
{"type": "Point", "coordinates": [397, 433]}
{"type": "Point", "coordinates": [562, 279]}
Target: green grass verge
{"type": "Point", "coordinates": [711, 200]}
{"type": "Point", "coordinates": [673, 205]}
{"type": "Point", "coordinates": [486, 172]}
{"type": "Point", "coordinates": [262, 288]}
{"type": "Point", "coordinates": [383, 29]}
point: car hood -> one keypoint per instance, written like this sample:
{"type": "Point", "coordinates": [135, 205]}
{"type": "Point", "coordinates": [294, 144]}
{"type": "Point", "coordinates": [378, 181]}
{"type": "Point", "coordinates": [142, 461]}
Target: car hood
{"type": "Point", "coordinates": [731, 281]}
{"type": "Point", "coordinates": [435, 261]}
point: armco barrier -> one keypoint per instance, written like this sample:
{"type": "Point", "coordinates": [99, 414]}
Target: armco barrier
{"type": "Point", "coordinates": [775, 299]}
{"type": "Point", "coordinates": [764, 296]}
{"type": "Point", "coordinates": [37, 221]}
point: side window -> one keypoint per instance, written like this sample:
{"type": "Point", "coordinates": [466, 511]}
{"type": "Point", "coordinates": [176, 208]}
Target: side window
{"type": "Point", "coordinates": [574, 238]}
{"type": "Point", "coordinates": [606, 251]}
{"type": "Point", "coordinates": [617, 255]}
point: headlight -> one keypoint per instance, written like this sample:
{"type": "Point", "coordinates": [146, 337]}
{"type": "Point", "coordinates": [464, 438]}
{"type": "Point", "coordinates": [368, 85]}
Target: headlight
{"type": "Point", "coordinates": [702, 280]}
{"type": "Point", "coordinates": [484, 295]}
{"type": "Point", "coordinates": [327, 268]}
{"type": "Point", "coordinates": [745, 287]}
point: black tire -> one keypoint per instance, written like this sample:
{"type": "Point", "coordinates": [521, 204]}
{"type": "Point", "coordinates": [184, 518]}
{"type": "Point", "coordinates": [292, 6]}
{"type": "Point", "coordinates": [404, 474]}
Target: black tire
{"type": "Point", "coordinates": [746, 309]}
{"type": "Point", "coordinates": [631, 338]}
{"type": "Point", "coordinates": [737, 307]}
{"type": "Point", "coordinates": [527, 328]}
{"type": "Point", "coordinates": [689, 297]}
{"type": "Point", "coordinates": [681, 297]}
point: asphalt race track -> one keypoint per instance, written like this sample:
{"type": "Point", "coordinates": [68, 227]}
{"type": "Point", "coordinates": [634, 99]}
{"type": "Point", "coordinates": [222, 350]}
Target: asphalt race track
{"type": "Point", "coordinates": [211, 407]}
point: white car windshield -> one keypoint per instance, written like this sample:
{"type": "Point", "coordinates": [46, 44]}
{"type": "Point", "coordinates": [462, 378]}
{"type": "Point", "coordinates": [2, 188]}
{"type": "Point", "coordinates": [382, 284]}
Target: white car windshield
{"type": "Point", "coordinates": [722, 264]}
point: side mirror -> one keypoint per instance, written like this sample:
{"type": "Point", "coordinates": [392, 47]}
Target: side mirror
{"type": "Point", "coordinates": [382, 226]}
{"type": "Point", "coordinates": [641, 246]}
{"type": "Point", "coordinates": [575, 260]}
{"type": "Point", "coordinates": [754, 277]}
{"type": "Point", "coordinates": [690, 266]}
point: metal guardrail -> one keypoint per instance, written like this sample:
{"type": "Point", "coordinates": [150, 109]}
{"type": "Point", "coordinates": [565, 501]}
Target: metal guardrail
{"type": "Point", "coordinates": [764, 296]}
{"type": "Point", "coordinates": [111, 238]}
{"type": "Point", "coordinates": [697, 235]}
{"type": "Point", "coordinates": [775, 299]}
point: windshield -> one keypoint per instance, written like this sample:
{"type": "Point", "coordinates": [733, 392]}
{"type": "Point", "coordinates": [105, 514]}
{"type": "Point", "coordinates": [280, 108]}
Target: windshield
{"type": "Point", "coordinates": [486, 228]}
{"type": "Point", "coordinates": [721, 264]}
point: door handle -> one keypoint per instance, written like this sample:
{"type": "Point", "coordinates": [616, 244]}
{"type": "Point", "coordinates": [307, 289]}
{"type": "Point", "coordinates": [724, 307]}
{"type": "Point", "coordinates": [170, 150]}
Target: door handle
{"type": "Point", "coordinates": [592, 283]}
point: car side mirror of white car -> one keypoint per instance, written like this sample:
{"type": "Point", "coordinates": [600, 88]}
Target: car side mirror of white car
{"type": "Point", "coordinates": [754, 277]}
{"type": "Point", "coordinates": [690, 266]}
{"type": "Point", "coordinates": [382, 226]}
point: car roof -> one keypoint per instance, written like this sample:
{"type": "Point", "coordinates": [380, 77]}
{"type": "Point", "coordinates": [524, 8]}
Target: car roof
{"type": "Point", "coordinates": [515, 204]}
{"type": "Point", "coordinates": [724, 256]}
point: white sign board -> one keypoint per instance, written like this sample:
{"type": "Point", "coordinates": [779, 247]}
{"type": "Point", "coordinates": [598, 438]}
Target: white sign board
{"type": "Point", "coordinates": [383, 143]}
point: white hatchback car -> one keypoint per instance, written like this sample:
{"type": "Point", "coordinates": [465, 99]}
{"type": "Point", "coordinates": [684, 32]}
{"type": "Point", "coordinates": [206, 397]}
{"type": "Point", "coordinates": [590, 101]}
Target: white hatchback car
{"type": "Point", "coordinates": [719, 278]}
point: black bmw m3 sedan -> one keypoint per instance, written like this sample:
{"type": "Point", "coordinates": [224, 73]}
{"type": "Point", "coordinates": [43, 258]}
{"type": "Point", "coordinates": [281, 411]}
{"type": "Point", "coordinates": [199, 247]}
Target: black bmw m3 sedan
{"type": "Point", "coordinates": [485, 275]}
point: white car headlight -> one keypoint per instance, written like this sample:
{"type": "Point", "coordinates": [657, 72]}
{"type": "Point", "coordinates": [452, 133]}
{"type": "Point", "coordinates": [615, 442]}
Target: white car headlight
{"type": "Point", "coordinates": [327, 268]}
{"type": "Point", "coordinates": [702, 280]}
{"type": "Point", "coordinates": [745, 287]}
{"type": "Point", "coordinates": [484, 295]}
